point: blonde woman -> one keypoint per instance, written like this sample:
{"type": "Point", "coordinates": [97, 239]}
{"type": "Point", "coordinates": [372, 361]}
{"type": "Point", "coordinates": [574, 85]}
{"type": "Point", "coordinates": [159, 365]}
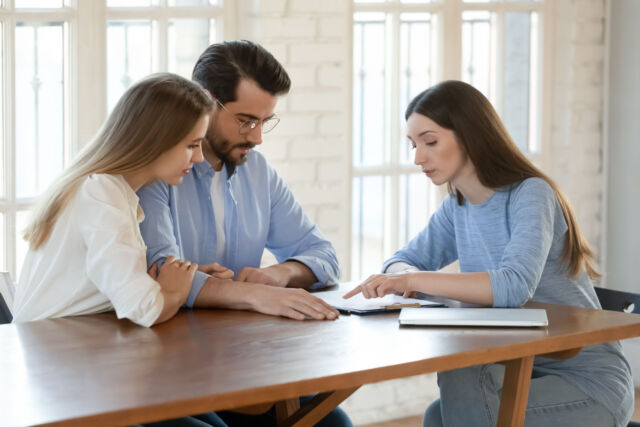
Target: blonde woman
{"type": "Point", "coordinates": [517, 239]}
{"type": "Point", "coordinates": [86, 254]}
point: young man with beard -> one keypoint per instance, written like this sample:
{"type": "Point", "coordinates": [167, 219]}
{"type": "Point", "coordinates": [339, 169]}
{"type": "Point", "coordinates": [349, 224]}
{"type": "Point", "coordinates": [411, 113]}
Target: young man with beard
{"type": "Point", "coordinates": [233, 205]}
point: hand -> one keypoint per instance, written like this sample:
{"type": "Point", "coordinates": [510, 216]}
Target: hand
{"type": "Point", "coordinates": [379, 285]}
{"type": "Point", "coordinates": [175, 275]}
{"type": "Point", "coordinates": [216, 270]}
{"type": "Point", "coordinates": [292, 303]}
{"type": "Point", "coordinates": [273, 275]}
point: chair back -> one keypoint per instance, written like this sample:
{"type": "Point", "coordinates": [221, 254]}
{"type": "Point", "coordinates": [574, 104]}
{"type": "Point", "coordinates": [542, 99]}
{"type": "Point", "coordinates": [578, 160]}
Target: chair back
{"type": "Point", "coordinates": [610, 299]}
{"type": "Point", "coordinates": [7, 291]}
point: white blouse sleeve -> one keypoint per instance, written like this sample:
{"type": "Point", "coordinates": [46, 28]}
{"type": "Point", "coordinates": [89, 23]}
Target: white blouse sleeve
{"type": "Point", "coordinates": [115, 257]}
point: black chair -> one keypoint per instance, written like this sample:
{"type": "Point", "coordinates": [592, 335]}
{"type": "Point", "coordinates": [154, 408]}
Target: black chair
{"type": "Point", "coordinates": [6, 285]}
{"type": "Point", "coordinates": [627, 302]}
{"type": "Point", "coordinates": [5, 313]}
{"type": "Point", "coordinates": [610, 299]}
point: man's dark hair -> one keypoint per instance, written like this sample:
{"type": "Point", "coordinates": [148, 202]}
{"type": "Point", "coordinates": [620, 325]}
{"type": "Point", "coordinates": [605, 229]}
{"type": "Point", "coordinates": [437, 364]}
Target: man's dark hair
{"type": "Point", "coordinates": [222, 65]}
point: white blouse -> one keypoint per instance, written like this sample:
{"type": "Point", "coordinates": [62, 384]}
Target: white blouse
{"type": "Point", "coordinates": [93, 261]}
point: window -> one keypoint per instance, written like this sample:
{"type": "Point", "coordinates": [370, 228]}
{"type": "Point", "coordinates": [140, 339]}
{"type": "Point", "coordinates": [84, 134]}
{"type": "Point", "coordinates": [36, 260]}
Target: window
{"type": "Point", "coordinates": [64, 64]}
{"type": "Point", "coordinates": [400, 48]}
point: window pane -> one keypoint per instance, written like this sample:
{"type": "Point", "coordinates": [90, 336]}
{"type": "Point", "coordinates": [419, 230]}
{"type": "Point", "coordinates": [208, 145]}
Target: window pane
{"type": "Point", "coordinates": [128, 56]}
{"type": "Point", "coordinates": [418, 199]}
{"type": "Point", "coordinates": [187, 39]}
{"type": "Point", "coordinates": [39, 4]}
{"type": "Point", "coordinates": [193, 3]}
{"type": "Point", "coordinates": [39, 106]}
{"type": "Point", "coordinates": [21, 245]}
{"type": "Point", "coordinates": [368, 217]}
{"type": "Point", "coordinates": [477, 50]}
{"type": "Point", "coordinates": [369, 89]}
{"type": "Point", "coordinates": [131, 3]}
{"type": "Point", "coordinates": [416, 42]}
{"type": "Point", "coordinates": [521, 78]}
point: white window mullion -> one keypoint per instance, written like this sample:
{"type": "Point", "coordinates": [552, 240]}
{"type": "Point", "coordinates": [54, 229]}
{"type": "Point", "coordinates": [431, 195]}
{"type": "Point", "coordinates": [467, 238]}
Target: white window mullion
{"type": "Point", "coordinates": [88, 71]}
{"type": "Point", "coordinates": [393, 130]}
{"type": "Point", "coordinates": [9, 143]}
{"type": "Point", "coordinates": [161, 37]}
{"type": "Point", "coordinates": [451, 40]}
{"type": "Point", "coordinates": [497, 60]}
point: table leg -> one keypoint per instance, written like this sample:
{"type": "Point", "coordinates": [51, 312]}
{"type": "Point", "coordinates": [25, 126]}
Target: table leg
{"type": "Point", "coordinates": [286, 408]}
{"type": "Point", "coordinates": [515, 392]}
{"type": "Point", "coordinates": [316, 409]}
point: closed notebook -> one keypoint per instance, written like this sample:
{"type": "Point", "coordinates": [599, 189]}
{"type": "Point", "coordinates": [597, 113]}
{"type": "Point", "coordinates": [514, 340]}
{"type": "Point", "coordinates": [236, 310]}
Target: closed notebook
{"type": "Point", "coordinates": [519, 317]}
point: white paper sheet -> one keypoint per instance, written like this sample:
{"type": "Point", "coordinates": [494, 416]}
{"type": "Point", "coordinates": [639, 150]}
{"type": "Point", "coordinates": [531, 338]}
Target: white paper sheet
{"type": "Point", "coordinates": [360, 303]}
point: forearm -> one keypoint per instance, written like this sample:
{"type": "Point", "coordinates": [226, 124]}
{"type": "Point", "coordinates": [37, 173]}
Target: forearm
{"type": "Point", "coordinates": [300, 276]}
{"type": "Point", "coordinates": [172, 303]}
{"type": "Point", "coordinates": [225, 293]}
{"type": "Point", "coordinates": [467, 287]}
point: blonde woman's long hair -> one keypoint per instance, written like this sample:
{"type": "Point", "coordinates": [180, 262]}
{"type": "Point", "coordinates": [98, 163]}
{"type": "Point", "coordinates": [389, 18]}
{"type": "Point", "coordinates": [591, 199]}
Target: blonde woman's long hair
{"type": "Point", "coordinates": [460, 107]}
{"type": "Point", "coordinates": [151, 117]}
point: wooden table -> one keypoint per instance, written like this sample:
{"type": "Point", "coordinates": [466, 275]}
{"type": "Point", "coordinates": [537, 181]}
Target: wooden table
{"type": "Point", "coordinates": [97, 370]}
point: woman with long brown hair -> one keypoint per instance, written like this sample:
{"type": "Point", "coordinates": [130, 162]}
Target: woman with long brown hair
{"type": "Point", "coordinates": [86, 254]}
{"type": "Point", "coordinates": [516, 239]}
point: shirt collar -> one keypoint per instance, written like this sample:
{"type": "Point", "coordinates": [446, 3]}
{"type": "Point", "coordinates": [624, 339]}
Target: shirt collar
{"type": "Point", "coordinates": [204, 168]}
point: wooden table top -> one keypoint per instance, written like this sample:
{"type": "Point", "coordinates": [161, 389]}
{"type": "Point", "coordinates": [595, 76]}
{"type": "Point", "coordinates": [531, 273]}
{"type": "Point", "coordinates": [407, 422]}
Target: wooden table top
{"type": "Point", "coordinates": [103, 371]}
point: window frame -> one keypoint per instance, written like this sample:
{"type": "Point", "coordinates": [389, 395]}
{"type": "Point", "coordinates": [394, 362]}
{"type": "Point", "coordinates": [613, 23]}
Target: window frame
{"type": "Point", "coordinates": [448, 47]}
{"type": "Point", "coordinates": [85, 73]}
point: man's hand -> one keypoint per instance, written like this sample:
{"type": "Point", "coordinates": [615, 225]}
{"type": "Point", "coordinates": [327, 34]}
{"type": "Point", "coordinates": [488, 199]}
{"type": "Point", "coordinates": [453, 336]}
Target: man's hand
{"type": "Point", "coordinates": [274, 275]}
{"type": "Point", "coordinates": [292, 303]}
{"type": "Point", "coordinates": [216, 270]}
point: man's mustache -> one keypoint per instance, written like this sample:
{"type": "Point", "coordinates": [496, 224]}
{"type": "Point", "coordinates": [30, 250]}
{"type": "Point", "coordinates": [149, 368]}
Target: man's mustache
{"type": "Point", "coordinates": [248, 145]}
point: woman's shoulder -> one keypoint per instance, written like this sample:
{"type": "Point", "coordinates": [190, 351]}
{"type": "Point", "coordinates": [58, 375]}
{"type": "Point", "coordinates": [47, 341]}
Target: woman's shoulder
{"type": "Point", "coordinates": [106, 188]}
{"type": "Point", "coordinates": [533, 190]}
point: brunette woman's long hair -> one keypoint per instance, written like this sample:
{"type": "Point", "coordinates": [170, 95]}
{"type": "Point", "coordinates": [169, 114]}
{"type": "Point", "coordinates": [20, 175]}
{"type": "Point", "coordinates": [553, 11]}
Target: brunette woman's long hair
{"type": "Point", "coordinates": [498, 162]}
{"type": "Point", "coordinates": [151, 117]}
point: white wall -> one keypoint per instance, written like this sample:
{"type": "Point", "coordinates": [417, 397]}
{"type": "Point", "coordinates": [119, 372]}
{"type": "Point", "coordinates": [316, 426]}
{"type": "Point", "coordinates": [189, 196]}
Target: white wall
{"type": "Point", "coordinates": [311, 147]}
{"type": "Point", "coordinates": [623, 158]}
{"type": "Point", "coordinates": [623, 198]}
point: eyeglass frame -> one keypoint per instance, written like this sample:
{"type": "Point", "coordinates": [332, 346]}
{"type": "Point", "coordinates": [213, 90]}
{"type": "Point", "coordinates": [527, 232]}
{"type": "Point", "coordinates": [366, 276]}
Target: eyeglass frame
{"type": "Point", "coordinates": [246, 126]}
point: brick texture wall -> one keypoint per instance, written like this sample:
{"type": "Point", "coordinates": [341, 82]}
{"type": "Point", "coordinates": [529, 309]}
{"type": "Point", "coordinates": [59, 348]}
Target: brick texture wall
{"type": "Point", "coordinates": [311, 146]}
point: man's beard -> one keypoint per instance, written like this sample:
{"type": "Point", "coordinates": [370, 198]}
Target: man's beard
{"type": "Point", "coordinates": [222, 150]}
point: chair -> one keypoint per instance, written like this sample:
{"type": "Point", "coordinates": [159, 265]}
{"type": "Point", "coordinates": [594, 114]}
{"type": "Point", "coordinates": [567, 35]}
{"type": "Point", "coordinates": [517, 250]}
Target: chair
{"type": "Point", "coordinates": [610, 299]}
{"type": "Point", "coordinates": [6, 298]}
{"type": "Point", "coordinates": [627, 302]}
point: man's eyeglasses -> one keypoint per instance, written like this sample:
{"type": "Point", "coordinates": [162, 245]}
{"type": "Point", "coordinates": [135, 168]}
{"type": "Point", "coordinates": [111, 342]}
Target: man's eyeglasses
{"type": "Point", "coordinates": [246, 126]}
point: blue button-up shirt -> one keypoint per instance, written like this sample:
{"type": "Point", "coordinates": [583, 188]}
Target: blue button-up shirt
{"type": "Point", "coordinates": [260, 212]}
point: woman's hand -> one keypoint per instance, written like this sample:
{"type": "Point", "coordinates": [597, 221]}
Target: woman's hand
{"type": "Point", "coordinates": [175, 278]}
{"type": "Point", "coordinates": [216, 270]}
{"type": "Point", "coordinates": [379, 285]}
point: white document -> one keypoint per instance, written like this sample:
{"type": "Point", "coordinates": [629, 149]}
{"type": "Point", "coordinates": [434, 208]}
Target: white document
{"type": "Point", "coordinates": [358, 304]}
{"type": "Point", "coordinates": [474, 317]}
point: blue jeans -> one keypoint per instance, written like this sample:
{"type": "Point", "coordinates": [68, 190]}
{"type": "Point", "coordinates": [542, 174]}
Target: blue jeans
{"type": "Point", "coordinates": [335, 418]}
{"type": "Point", "coordinates": [471, 397]}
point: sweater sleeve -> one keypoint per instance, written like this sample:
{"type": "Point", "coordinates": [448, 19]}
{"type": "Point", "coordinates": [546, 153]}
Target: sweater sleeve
{"type": "Point", "coordinates": [435, 246]}
{"type": "Point", "coordinates": [532, 214]}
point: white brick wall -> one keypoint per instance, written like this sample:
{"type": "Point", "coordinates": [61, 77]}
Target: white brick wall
{"type": "Point", "coordinates": [311, 146]}
{"type": "Point", "coordinates": [576, 144]}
